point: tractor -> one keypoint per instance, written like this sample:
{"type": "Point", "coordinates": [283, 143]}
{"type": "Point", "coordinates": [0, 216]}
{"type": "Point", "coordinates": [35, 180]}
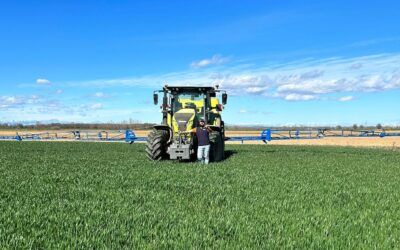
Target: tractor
{"type": "Point", "coordinates": [182, 108]}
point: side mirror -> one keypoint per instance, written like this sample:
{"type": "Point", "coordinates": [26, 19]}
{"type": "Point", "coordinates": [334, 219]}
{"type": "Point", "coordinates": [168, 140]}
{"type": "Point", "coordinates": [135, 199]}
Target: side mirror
{"type": "Point", "coordinates": [224, 98]}
{"type": "Point", "coordinates": [155, 98]}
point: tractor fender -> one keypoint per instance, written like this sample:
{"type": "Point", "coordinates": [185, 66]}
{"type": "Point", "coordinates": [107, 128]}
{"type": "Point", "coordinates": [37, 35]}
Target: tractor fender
{"type": "Point", "coordinates": [166, 128]}
{"type": "Point", "coordinates": [215, 128]}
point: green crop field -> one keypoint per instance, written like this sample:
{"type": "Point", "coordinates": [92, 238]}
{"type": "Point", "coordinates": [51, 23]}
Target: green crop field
{"type": "Point", "coordinates": [107, 195]}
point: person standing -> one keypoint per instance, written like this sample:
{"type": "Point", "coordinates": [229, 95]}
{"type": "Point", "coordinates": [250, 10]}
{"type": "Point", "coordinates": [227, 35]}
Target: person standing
{"type": "Point", "coordinates": [203, 142]}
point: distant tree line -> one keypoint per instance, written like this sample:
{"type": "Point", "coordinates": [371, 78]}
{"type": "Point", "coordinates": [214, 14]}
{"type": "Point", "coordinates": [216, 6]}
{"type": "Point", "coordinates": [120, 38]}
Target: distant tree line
{"type": "Point", "coordinates": [145, 126]}
{"type": "Point", "coordinates": [354, 127]}
{"type": "Point", "coordinates": [78, 126]}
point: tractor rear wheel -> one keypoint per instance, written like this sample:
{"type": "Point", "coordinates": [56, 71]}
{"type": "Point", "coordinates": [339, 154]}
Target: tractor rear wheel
{"type": "Point", "coordinates": [156, 145]}
{"type": "Point", "coordinates": [217, 147]}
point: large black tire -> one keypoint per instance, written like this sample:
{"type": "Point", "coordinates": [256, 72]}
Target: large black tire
{"type": "Point", "coordinates": [217, 147]}
{"type": "Point", "coordinates": [156, 145]}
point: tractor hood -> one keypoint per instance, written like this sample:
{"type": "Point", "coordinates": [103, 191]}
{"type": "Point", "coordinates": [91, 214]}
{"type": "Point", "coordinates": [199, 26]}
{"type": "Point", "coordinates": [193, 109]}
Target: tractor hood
{"type": "Point", "coordinates": [183, 119]}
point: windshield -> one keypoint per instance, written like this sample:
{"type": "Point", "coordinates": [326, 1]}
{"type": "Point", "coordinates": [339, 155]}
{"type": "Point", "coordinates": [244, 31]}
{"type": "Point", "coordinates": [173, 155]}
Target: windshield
{"type": "Point", "coordinates": [188, 100]}
{"type": "Point", "coordinates": [191, 96]}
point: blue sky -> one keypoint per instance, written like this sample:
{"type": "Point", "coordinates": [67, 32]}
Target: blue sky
{"type": "Point", "coordinates": [282, 62]}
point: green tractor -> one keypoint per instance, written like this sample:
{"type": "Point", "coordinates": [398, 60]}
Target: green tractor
{"type": "Point", "coordinates": [182, 108]}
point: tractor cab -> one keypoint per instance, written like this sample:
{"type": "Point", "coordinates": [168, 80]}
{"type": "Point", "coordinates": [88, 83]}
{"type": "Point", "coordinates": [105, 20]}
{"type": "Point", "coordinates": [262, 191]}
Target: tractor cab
{"type": "Point", "coordinates": [187, 108]}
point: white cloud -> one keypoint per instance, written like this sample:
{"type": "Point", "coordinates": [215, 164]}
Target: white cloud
{"type": "Point", "coordinates": [215, 60]}
{"type": "Point", "coordinates": [394, 81]}
{"type": "Point", "coordinates": [42, 81]}
{"type": "Point", "coordinates": [293, 81]}
{"type": "Point", "coordinates": [315, 73]}
{"type": "Point", "coordinates": [59, 91]}
{"type": "Point", "coordinates": [242, 111]}
{"type": "Point", "coordinates": [99, 94]}
{"type": "Point", "coordinates": [298, 97]}
{"type": "Point", "coordinates": [243, 84]}
{"type": "Point", "coordinates": [356, 66]}
{"type": "Point", "coordinates": [96, 106]}
{"type": "Point", "coordinates": [10, 102]}
{"type": "Point", "coordinates": [346, 98]}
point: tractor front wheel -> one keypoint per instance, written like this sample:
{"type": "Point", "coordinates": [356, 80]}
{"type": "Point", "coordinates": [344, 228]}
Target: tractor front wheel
{"type": "Point", "coordinates": [156, 145]}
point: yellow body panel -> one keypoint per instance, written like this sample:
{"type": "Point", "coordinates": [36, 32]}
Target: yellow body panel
{"type": "Point", "coordinates": [169, 119]}
{"type": "Point", "coordinates": [214, 102]}
{"type": "Point", "coordinates": [189, 124]}
{"type": "Point", "coordinates": [215, 117]}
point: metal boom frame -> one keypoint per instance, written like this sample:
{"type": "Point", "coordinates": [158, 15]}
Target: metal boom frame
{"type": "Point", "coordinates": [129, 135]}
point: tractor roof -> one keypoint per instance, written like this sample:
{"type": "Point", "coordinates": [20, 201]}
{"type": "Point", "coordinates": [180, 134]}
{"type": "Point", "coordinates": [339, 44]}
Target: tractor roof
{"type": "Point", "coordinates": [188, 88]}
